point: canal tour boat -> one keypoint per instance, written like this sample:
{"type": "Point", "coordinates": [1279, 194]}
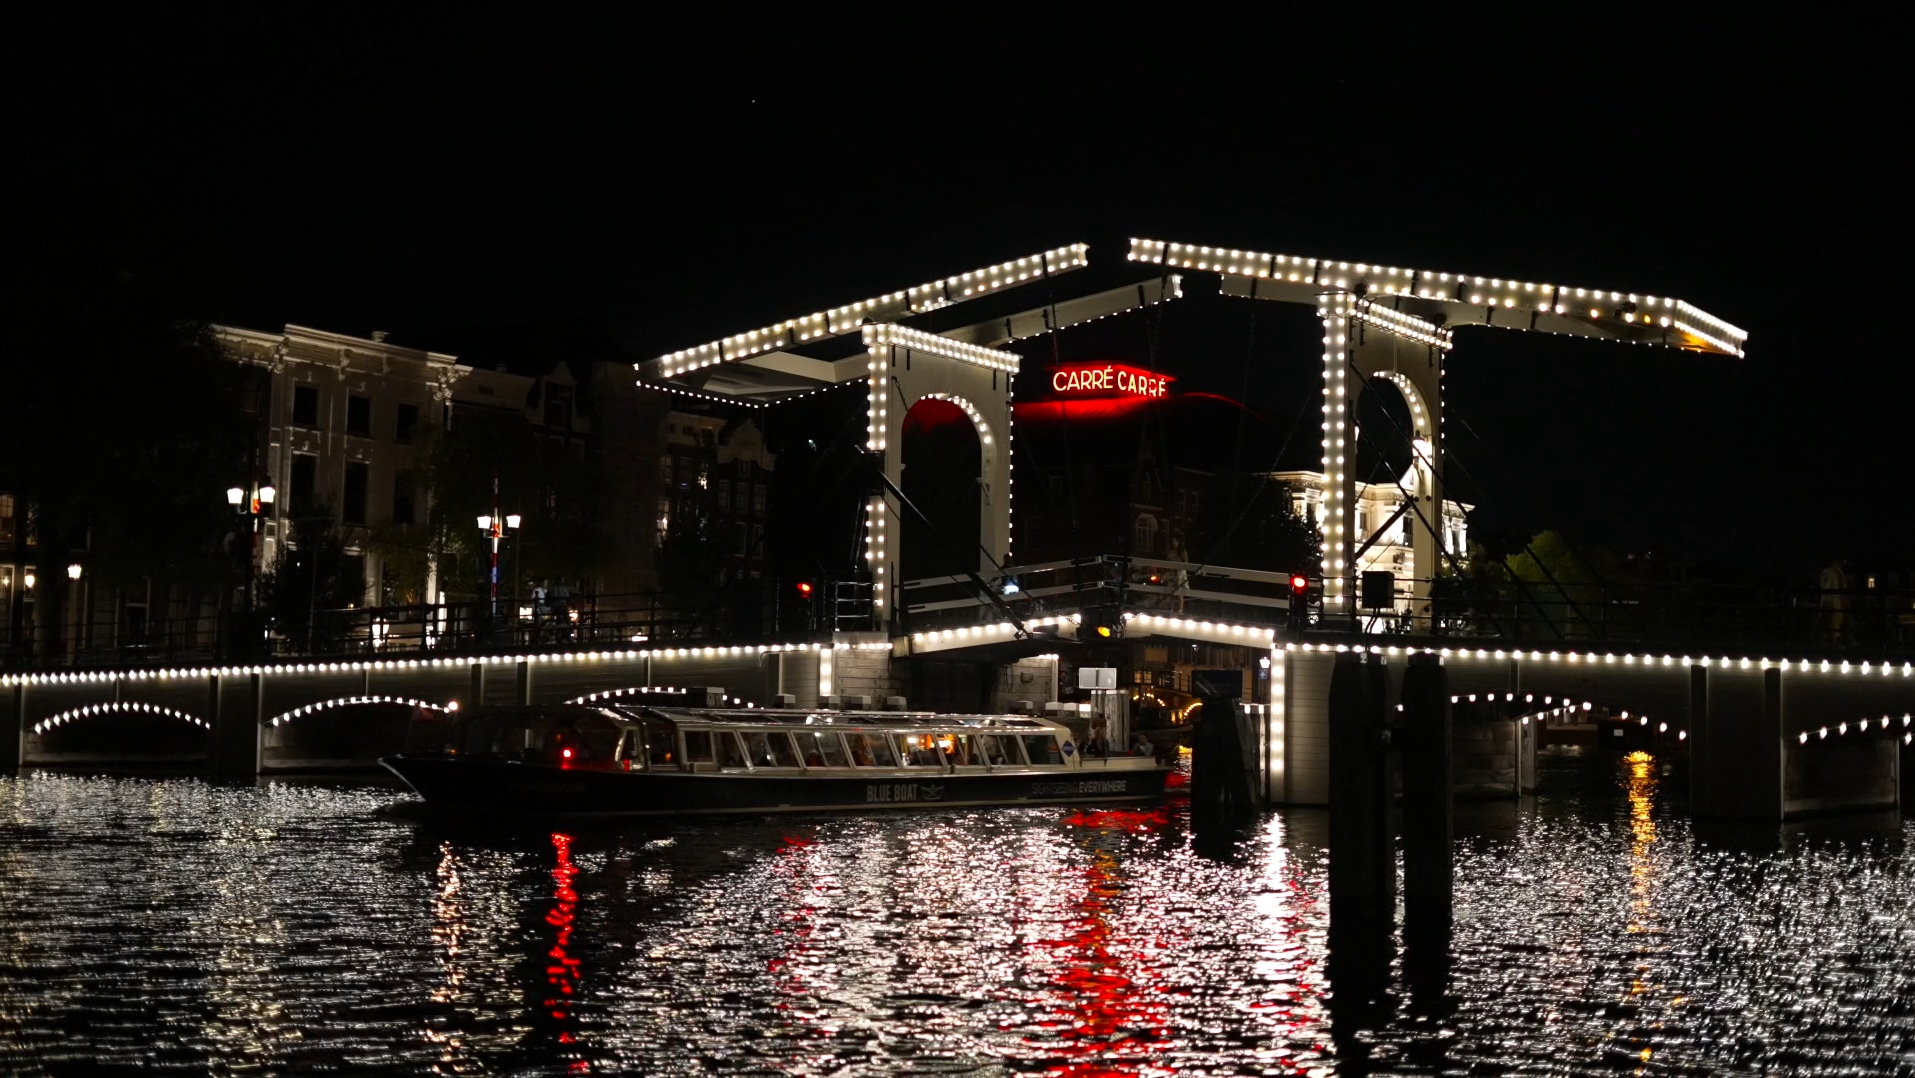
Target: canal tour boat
{"type": "Point", "coordinates": [641, 760]}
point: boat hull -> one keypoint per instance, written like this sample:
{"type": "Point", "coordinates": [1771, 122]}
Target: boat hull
{"type": "Point", "coordinates": [513, 788]}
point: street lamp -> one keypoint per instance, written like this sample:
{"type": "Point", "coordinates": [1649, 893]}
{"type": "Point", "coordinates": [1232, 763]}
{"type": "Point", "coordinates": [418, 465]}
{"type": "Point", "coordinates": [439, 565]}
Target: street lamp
{"type": "Point", "coordinates": [253, 504]}
{"type": "Point", "coordinates": [496, 526]}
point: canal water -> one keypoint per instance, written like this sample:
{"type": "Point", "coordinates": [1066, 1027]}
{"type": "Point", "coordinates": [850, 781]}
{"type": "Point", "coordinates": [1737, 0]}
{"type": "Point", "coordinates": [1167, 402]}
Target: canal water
{"type": "Point", "coordinates": [166, 924]}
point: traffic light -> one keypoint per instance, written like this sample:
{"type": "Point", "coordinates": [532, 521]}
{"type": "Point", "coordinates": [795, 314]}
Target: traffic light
{"type": "Point", "coordinates": [1100, 624]}
{"type": "Point", "coordinates": [804, 589]}
{"type": "Point", "coordinates": [1299, 601]}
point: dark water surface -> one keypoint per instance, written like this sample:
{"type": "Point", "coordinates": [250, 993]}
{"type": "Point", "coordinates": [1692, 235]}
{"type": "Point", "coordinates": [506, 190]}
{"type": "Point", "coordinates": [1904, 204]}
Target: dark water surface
{"type": "Point", "coordinates": [313, 927]}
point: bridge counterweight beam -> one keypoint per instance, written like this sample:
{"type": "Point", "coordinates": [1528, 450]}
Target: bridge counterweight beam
{"type": "Point", "coordinates": [478, 683]}
{"type": "Point", "coordinates": [523, 684]}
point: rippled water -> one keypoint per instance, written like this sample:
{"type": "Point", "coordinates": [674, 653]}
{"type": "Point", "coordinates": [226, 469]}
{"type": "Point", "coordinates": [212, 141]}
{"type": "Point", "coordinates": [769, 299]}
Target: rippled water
{"type": "Point", "coordinates": [308, 927]}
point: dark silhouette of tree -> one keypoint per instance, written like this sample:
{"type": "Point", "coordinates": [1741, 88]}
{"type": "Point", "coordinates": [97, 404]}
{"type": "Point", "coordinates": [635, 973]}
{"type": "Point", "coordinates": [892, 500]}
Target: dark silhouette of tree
{"type": "Point", "coordinates": [310, 580]}
{"type": "Point", "coordinates": [123, 424]}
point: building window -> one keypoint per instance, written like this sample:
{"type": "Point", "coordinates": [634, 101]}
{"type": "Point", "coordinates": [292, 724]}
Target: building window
{"type": "Point", "coordinates": [405, 495]}
{"type": "Point", "coordinates": [6, 520]}
{"type": "Point", "coordinates": [304, 483]}
{"type": "Point", "coordinates": [758, 498]}
{"type": "Point", "coordinates": [724, 495]}
{"type": "Point", "coordinates": [741, 536]}
{"type": "Point", "coordinates": [558, 407]}
{"type": "Point", "coordinates": [305, 406]}
{"type": "Point", "coordinates": [1146, 535]}
{"type": "Point", "coordinates": [405, 422]}
{"type": "Point", "coordinates": [665, 470]}
{"type": "Point", "coordinates": [358, 478]}
{"type": "Point", "coordinates": [757, 540]}
{"type": "Point", "coordinates": [359, 416]}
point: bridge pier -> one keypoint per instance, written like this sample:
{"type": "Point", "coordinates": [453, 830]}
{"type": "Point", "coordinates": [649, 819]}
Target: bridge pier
{"type": "Point", "coordinates": [13, 734]}
{"type": "Point", "coordinates": [236, 710]}
{"type": "Point", "coordinates": [1752, 755]}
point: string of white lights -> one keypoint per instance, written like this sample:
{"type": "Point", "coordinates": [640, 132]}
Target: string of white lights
{"type": "Point", "coordinates": [1368, 279]}
{"type": "Point", "coordinates": [849, 318]}
{"type": "Point", "coordinates": [65, 717]}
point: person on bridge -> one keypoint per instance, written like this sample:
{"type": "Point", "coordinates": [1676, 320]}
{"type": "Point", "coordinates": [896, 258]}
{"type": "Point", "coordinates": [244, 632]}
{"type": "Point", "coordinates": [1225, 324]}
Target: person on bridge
{"type": "Point", "coordinates": [1835, 603]}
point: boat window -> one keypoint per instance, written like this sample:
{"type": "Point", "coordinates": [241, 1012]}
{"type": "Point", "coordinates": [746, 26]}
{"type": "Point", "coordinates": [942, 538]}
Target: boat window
{"type": "Point", "coordinates": [959, 749]}
{"type": "Point", "coordinates": [591, 739]}
{"type": "Point", "coordinates": [871, 750]}
{"type": "Point", "coordinates": [729, 754]}
{"type": "Point", "coordinates": [822, 749]}
{"type": "Point", "coordinates": [660, 743]}
{"type": "Point", "coordinates": [770, 748]}
{"type": "Point", "coordinates": [1042, 748]}
{"type": "Point", "coordinates": [919, 750]}
{"type": "Point", "coordinates": [999, 750]}
{"type": "Point", "coordinates": [698, 746]}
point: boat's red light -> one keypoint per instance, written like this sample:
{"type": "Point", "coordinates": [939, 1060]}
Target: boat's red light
{"type": "Point", "coordinates": [567, 753]}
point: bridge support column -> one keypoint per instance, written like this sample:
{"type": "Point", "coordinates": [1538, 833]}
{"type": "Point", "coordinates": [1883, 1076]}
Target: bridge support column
{"type": "Point", "coordinates": [478, 683]}
{"type": "Point", "coordinates": [1362, 856]}
{"type": "Point", "coordinates": [13, 734]}
{"type": "Point", "coordinates": [522, 694]}
{"type": "Point", "coordinates": [1735, 759]}
{"type": "Point", "coordinates": [236, 710]}
{"type": "Point", "coordinates": [1429, 869]}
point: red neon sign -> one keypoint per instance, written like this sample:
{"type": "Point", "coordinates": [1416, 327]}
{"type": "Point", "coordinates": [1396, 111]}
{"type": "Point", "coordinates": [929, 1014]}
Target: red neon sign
{"type": "Point", "coordinates": [1109, 378]}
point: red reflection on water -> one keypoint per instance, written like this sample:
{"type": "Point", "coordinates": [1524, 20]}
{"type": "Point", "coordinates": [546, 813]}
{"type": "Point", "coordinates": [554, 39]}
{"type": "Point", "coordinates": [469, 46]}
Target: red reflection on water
{"type": "Point", "coordinates": [562, 975]}
{"type": "Point", "coordinates": [1108, 1005]}
{"type": "Point", "coordinates": [1134, 820]}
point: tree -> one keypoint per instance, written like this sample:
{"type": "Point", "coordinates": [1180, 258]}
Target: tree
{"type": "Point", "coordinates": [561, 534]}
{"type": "Point", "coordinates": [1262, 534]}
{"type": "Point", "coordinates": [1553, 581]}
{"type": "Point", "coordinates": [122, 427]}
{"type": "Point", "coordinates": [310, 578]}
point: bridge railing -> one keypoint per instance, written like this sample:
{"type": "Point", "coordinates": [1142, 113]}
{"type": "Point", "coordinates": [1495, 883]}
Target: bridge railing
{"type": "Point", "coordinates": [1138, 585]}
{"type": "Point", "coordinates": [469, 626]}
{"type": "Point", "coordinates": [1696, 617]}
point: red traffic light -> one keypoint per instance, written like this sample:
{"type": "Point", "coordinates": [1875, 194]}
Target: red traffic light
{"type": "Point", "coordinates": [804, 589]}
{"type": "Point", "coordinates": [1299, 583]}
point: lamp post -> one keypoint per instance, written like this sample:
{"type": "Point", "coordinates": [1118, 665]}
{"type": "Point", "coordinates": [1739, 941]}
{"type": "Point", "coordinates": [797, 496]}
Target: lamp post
{"type": "Point", "coordinates": [496, 526]}
{"type": "Point", "coordinates": [73, 589]}
{"type": "Point", "coordinates": [253, 504]}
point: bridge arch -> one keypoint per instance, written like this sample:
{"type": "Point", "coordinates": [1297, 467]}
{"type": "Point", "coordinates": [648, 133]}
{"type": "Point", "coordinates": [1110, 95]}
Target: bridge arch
{"type": "Point", "coordinates": [907, 367]}
{"type": "Point", "coordinates": [116, 707]}
{"type": "Point", "coordinates": [355, 701]}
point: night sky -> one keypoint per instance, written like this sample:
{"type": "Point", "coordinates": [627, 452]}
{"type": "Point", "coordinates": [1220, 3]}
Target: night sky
{"type": "Point", "coordinates": [627, 188]}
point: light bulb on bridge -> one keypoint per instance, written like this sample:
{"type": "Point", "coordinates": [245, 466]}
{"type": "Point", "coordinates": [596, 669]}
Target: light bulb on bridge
{"type": "Point", "coordinates": [512, 520]}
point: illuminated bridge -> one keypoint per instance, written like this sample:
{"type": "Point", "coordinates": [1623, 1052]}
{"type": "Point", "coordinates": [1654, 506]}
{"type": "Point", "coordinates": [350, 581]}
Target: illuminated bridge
{"type": "Point", "coordinates": [1769, 734]}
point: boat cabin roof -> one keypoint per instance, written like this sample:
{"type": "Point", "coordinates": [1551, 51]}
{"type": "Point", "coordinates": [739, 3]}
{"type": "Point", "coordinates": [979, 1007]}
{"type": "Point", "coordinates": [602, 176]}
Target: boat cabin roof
{"type": "Point", "coordinates": [763, 718]}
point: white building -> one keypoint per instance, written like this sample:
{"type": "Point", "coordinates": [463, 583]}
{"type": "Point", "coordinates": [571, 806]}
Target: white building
{"type": "Point", "coordinates": [1381, 506]}
{"type": "Point", "coordinates": [343, 426]}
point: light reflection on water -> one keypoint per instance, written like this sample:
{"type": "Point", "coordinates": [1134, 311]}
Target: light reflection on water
{"type": "Point", "coordinates": [305, 927]}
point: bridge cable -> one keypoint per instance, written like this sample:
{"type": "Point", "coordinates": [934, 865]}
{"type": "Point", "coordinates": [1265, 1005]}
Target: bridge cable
{"type": "Point", "coordinates": [1587, 563]}
{"type": "Point", "coordinates": [1255, 495]}
{"type": "Point", "coordinates": [1455, 567]}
